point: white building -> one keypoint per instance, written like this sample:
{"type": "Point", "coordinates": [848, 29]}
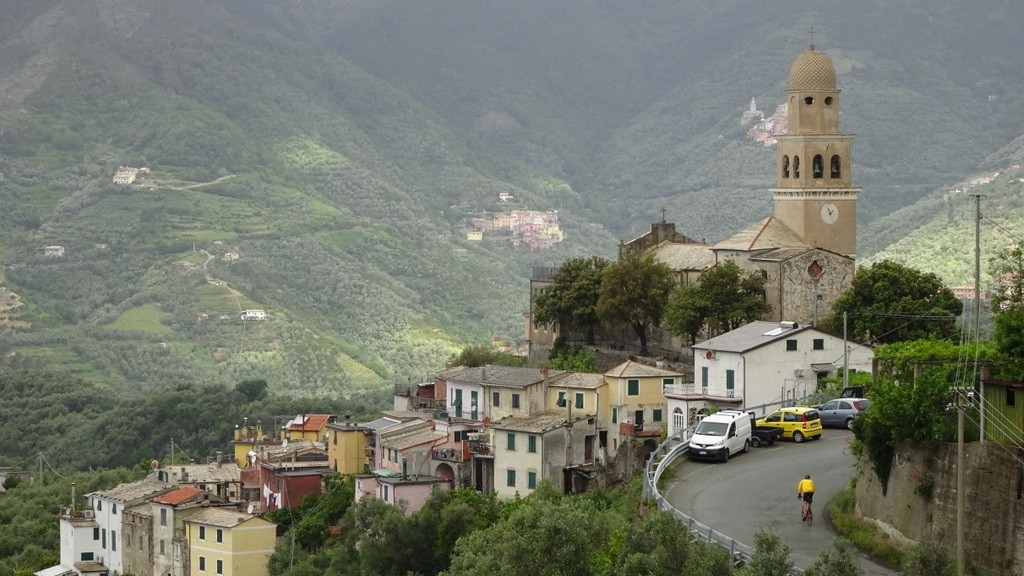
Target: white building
{"type": "Point", "coordinates": [254, 314]}
{"type": "Point", "coordinates": [528, 449]}
{"type": "Point", "coordinates": [760, 365]}
{"type": "Point", "coordinates": [90, 539]}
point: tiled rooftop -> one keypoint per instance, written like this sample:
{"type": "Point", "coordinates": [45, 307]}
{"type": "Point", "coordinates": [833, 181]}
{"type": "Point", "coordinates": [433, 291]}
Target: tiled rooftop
{"type": "Point", "coordinates": [178, 496]}
{"type": "Point", "coordinates": [224, 517]}
{"type": "Point", "coordinates": [633, 368]}
{"type": "Point", "coordinates": [764, 235]}
{"type": "Point", "coordinates": [537, 423]}
{"type": "Point", "coordinates": [134, 491]}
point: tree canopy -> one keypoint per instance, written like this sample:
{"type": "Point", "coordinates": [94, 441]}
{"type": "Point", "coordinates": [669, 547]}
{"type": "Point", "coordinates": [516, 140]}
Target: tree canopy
{"type": "Point", "coordinates": [571, 300]}
{"type": "Point", "coordinates": [634, 292]}
{"type": "Point", "coordinates": [723, 299]}
{"type": "Point", "coordinates": [473, 356]}
{"type": "Point", "coordinates": [889, 302]}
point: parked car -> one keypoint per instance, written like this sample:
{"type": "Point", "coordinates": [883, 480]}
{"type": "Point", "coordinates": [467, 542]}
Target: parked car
{"type": "Point", "coordinates": [721, 435]}
{"type": "Point", "coordinates": [798, 423]}
{"type": "Point", "coordinates": [841, 412]}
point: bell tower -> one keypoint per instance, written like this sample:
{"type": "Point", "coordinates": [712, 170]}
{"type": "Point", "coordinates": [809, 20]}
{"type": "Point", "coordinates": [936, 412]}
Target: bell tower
{"type": "Point", "coordinates": [814, 195]}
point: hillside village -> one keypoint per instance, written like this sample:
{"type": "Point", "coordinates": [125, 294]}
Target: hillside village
{"type": "Point", "coordinates": [493, 429]}
{"type": "Point", "coordinates": [504, 430]}
{"type": "Point", "coordinates": [534, 229]}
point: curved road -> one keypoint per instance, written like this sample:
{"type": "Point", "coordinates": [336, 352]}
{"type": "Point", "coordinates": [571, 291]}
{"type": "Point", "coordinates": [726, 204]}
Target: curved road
{"type": "Point", "coordinates": [758, 489]}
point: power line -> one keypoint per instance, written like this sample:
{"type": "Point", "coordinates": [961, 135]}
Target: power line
{"type": "Point", "coordinates": [42, 458]}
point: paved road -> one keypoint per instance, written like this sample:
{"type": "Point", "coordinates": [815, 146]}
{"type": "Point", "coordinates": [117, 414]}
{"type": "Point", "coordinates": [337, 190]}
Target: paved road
{"type": "Point", "coordinates": [758, 489]}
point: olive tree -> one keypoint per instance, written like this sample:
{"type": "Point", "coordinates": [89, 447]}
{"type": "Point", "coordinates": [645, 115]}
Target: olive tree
{"type": "Point", "coordinates": [634, 292]}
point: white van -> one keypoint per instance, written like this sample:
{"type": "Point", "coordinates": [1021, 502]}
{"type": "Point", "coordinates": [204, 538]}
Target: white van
{"type": "Point", "coordinates": [721, 435]}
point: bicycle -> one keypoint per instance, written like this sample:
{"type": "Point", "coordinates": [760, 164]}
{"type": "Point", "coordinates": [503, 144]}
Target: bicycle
{"type": "Point", "coordinates": [807, 513]}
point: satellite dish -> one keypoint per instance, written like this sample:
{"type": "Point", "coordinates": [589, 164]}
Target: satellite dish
{"type": "Point", "coordinates": [154, 464]}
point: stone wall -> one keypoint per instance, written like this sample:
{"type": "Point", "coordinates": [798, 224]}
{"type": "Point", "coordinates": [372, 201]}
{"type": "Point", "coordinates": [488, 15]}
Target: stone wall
{"type": "Point", "coordinates": [993, 504]}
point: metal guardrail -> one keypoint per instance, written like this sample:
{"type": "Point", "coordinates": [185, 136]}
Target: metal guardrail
{"type": "Point", "coordinates": [665, 454]}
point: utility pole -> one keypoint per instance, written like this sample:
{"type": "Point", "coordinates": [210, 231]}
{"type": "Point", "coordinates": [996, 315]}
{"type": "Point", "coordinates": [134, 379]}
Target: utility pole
{"type": "Point", "coordinates": [846, 356]}
{"type": "Point", "coordinates": [977, 305]}
{"type": "Point", "coordinates": [963, 396]}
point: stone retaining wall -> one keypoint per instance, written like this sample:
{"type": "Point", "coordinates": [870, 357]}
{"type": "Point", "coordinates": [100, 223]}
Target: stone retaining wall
{"type": "Point", "coordinates": [993, 504]}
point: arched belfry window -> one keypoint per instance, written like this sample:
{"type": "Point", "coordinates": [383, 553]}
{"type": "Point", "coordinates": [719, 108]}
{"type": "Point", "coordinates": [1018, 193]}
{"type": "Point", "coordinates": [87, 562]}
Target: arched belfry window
{"type": "Point", "coordinates": [818, 166]}
{"type": "Point", "coordinates": [837, 166]}
{"type": "Point", "coordinates": [785, 166]}
{"type": "Point", "coordinates": [796, 166]}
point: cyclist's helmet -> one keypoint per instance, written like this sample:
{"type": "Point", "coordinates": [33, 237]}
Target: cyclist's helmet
{"type": "Point", "coordinates": [807, 476]}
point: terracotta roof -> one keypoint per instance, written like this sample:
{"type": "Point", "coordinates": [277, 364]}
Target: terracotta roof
{"type": "Point", "coordinates": [633, 368]}
{"type": "Point", "coordinates": [178, 496]}
{"type": "Point", "coordinates": [309, 422]}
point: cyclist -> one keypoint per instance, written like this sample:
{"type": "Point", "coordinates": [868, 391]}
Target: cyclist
{"type": "Point", "coordinates": [805, 492]}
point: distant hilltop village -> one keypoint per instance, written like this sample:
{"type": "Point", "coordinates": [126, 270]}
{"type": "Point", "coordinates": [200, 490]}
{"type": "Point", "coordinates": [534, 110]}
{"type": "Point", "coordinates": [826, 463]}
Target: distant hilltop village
{"type": "Point", "coordinates": [765, 129]}
{"type": "Point", "coordinates": [534, 229]}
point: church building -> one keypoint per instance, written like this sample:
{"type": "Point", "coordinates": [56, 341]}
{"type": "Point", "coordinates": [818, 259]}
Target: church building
{"type": "Point", "coordinates": [806, 248]}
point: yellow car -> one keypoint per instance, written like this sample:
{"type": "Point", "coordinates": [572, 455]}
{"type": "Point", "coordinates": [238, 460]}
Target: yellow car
{"type": "Point", "coordinates": [797, 422]}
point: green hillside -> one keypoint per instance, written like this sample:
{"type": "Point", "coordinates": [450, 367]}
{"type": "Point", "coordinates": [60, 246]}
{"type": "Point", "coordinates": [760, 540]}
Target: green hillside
{"type": "Point", "coordinates": [323, 161]}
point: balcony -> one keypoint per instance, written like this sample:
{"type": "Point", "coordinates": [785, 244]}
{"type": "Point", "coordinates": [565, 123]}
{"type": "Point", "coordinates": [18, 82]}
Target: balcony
{"type": "Point", "coordinates": [693, 391]}
{"type": "Point", "coordinates": [645, 430]}
{"type": "Point", "coordinates": [458, 453]}
{"type": "Point", "coordinates": [479, 445]}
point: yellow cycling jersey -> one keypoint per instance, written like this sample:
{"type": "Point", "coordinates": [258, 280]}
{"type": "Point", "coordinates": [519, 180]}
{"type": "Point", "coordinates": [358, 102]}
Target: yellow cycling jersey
{"type": "Point", "coordinates": [806, 485]}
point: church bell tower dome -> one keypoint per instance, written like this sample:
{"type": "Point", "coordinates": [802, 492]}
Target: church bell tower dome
{"type": "Point", "coordinates": [812, 70]}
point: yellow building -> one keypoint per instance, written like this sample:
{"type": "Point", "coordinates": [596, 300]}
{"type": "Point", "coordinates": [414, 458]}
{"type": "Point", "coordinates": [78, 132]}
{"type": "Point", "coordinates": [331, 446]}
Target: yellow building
{"type": "Point", "coordinates": [579, 393]}
{"type": "Point", "coordinates": [224, 542]}
{"type": "Point", "coordinates": [636, 404]}
{"type": "Point", "coordinates": [347, 447]}
{"type": "Point", "coordinates": [248, 441]}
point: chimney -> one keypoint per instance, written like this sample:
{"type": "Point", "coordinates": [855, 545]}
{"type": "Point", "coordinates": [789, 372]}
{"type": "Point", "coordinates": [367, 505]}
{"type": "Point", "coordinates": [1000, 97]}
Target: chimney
{"type": "Point", "coordinates": [72, 514]}
{"type": "Point", "coordinates": [219, 456]}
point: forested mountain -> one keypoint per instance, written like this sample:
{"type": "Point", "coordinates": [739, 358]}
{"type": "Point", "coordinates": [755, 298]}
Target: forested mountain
{"type": "Point", "coordinates": [340, 148]}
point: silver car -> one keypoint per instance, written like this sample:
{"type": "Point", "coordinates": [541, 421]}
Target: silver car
{"type": "Point", "coordinates": [842, 411]}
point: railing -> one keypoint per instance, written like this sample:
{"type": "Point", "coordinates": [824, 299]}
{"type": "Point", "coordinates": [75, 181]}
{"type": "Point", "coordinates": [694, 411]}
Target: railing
{"type": "Point", "coordinates": [449, 454]}
{"type": "Point", "coordinates": [665, 454]}
{"type": "Point", "coordinates": [695, 390]}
